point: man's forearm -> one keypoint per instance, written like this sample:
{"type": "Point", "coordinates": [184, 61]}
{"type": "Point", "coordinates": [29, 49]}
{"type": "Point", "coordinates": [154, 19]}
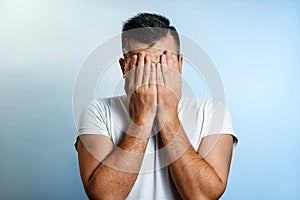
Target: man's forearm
{"type": "Point", "coordinates": [115, 177]}
{"type": "Point", "coordinates": [192, 175]}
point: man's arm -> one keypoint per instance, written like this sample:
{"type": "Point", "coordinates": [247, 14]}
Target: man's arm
{"type": "Point", "coordinates": [112, 174]}
{"type": "Point", "coordinates": [114, 177]}
{"type": "Point", "coordinates": [194, 177]}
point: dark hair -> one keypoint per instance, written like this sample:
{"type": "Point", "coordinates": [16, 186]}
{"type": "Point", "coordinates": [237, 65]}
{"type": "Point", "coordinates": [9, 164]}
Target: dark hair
{"type": "Point", "coordinates": [147, 28]}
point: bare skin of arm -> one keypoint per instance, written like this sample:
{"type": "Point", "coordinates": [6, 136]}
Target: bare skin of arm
{"type": "Point", "coordinates": [194, 176]}
{"type": "Point", "coordinates": [108, 172]}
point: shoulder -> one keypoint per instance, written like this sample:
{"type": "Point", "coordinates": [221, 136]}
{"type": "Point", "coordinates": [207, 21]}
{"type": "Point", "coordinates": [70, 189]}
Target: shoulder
{"type": "Point", "coordinates": [193, 103]}
{"type": "Point", "coordinates": [206, 109]}
{"type": "Point", "coordinates": [106, 103]}
{"type": "Point", "coordinates": [215, 107]}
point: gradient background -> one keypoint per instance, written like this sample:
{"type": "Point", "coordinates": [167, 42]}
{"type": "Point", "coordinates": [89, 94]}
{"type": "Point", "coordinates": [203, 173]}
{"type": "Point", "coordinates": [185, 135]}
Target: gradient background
{"type": "Point", "coordinates": [254, 44]}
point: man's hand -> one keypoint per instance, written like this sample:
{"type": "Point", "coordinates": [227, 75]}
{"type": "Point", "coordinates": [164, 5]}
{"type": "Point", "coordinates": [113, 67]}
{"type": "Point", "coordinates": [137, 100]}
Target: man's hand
{"type": "Point", "coordinates": [169, 88]}
{"type": "Point", "coordinates": [141, 89]}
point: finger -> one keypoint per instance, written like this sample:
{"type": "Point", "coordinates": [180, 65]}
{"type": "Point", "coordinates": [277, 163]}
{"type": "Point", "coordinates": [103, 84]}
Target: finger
{"type": "Point", "coordinates": [141, 59]}
{"type": "Point", "coordinates": [163, 59]}
{"type": "Point", "coordinates": [169, 59]}
{"type": "Point", "coordinates": [153, 74]}
{"type": "Point", "coordinates": [131, 74]}
{"type": "Point", "coordinates": [174, 68]}
{"type": "Point", "coordinates": [139, 70]}
{"type": "Point", "coordinates": [133, 62]}
{"type": "Point", "coordinates": [159, 76]}
{"type": "Point", "coordinates": [146, 73]}
{"type": "Point", "coordinates": [164, 69]}
{"type": "Point", "coordinates": [176, 71]}
{"type": "Point", "coordinates": [176, 62]}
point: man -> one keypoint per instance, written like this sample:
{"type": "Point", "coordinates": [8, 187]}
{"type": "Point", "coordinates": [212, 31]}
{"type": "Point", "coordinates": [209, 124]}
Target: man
{"type": "Point", "coordinates": [154, 143]}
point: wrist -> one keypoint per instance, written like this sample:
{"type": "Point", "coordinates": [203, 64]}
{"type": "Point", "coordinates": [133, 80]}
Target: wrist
{"type": "Point", "coordinates": [139, 129]}
{"type": "Point", "coordinates": [168, 120]}
{"type": "Point", "coordinates": [171, 124]}
{"type": "Point", "coordinates": [170, 130]}
{"type": "Point", "coordinates": [143, 120]}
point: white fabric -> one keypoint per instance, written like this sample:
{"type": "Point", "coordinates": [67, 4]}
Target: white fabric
{"type": "Point", "coordinates": [199, 118]}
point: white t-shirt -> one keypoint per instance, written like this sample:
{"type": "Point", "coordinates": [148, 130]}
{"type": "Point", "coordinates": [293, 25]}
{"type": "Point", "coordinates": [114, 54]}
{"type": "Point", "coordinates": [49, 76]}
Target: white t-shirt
{"type": "Point", "coordinates": [199, 118]}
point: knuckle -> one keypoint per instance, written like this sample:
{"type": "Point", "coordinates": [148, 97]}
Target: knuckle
{"type": "Point", "coordinates": [141, 53]}
{"type": "Point", "coordinates": [148, 59]}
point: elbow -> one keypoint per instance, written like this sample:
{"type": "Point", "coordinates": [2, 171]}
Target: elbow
{"type": "Point", "coordinates": [100, 191]}
{"type": "Point", "coordinates": [94, 192]}
{"type": "Point", "coordinates": [220, 189]}
{"type": "Point", "coordinates": [217, 190]}
{"type": "Point", "coordinates": [214, 192]}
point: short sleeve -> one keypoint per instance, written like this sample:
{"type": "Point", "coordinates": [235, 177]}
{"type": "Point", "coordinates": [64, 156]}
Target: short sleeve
{"type": "Point", "coordinates": [93, 119]}
{"type": "Point", "coordinates": [217, 120]}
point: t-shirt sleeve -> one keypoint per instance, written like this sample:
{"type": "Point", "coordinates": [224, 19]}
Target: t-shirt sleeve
{"type": "Point", "coordinates": [93, 119]}
{"type": "Point", "coordinates": [217, 120]}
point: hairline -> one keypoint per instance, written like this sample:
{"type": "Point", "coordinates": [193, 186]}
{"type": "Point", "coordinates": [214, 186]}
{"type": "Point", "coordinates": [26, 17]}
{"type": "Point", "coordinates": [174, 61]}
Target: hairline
{"type": "Point", "coordinates": [154, 42]}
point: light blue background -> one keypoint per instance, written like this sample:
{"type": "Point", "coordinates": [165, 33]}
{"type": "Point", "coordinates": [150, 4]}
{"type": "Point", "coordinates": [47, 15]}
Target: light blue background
{"type": "Point", "coordinates": [254, 44]}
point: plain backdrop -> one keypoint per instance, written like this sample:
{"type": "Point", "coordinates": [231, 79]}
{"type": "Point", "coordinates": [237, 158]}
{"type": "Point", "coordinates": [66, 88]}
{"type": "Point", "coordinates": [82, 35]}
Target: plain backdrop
{"type": "Point", "coordinates": [43, 43]}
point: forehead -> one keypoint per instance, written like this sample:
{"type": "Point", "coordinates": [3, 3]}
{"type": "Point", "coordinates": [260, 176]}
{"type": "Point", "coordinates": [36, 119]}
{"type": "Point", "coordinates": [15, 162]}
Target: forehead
{"type": "Point", "coordinates": [165, 43]}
